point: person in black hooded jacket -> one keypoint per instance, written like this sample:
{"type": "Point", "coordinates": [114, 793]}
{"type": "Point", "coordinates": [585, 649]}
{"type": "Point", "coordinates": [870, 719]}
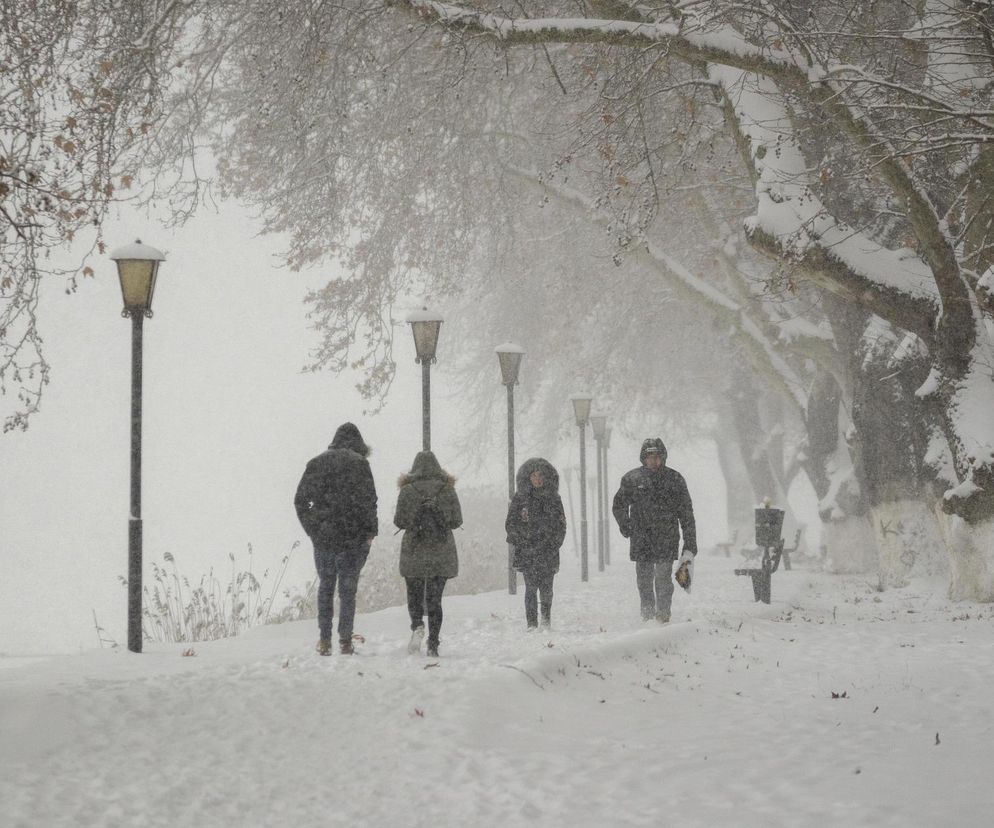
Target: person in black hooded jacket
{"type": "Point", "coordinates": [536, 528]}
{"type": "Point", "coordinates": [653, 508]}
{"type": "Point", "coordinates": [336, 506]}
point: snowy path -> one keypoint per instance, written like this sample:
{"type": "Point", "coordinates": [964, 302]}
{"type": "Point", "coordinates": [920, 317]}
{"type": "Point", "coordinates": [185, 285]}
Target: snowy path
{"type": "Point", "coordinates": [723, 717]}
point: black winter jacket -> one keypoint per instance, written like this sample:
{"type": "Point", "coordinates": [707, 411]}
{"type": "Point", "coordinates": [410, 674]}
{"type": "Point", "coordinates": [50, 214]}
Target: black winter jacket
{"type": "Point", "coordinates": [653, 508]}
{"type": "Point", "coordinates": [536, 522]}
{"type": "Point", "coordinates": [336, 496]}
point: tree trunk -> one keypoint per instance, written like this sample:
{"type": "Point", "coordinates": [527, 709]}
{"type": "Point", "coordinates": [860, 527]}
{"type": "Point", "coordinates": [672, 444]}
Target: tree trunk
{"type": "Point", "coordinates": [740, 498]}
{"type": "Point", "coordinates": [971, 558]}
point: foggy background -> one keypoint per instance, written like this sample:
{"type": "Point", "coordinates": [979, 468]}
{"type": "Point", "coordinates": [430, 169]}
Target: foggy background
{"type": "Point", "coordinates": [229, 421]}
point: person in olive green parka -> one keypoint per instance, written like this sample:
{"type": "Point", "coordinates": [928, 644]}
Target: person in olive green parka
{"type": "Point", "coordinates": [427, 557]}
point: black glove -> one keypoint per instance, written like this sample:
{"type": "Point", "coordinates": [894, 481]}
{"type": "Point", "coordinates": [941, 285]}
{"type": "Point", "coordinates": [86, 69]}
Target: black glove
{"type": "Point", "coordinates": [625, 529]}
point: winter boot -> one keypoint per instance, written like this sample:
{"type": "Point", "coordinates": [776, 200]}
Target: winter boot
{"type": "Point", "coordinates": [324, 646]}
{"type": "Point", "coordinates": [432, 650]}
{"type": "Point", "coordinates": [345, 647]}
{"type": "Point", "coordinates": [662, 617]}
{"type": "Point", "coordinates": [417, 636]}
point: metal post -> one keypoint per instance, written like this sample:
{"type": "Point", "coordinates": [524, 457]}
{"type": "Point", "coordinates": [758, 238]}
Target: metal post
{"type": "Point", "coordinates": [134, 518]}
{"type": "Point", "coordinates": [607, 509]}
{"type": "Point", "coordinates": [512, 576]}
{"type": "Point", "coordinates": [583, 503]}
{"type": "Point", "coordinates": [600, 505]}
{"type": "Point", "coordinates": [425, 405]}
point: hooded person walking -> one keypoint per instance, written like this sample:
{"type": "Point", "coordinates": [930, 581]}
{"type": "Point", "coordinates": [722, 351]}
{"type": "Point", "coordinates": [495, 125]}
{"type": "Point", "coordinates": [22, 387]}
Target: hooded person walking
{"type": "Point", "coordinates": [536, 527]}
{"type": "Point", "coordinates": [653, 508]}
{"type": "Point", "coordinates": [336, 506]}
{"type": "Point", "coordinates": [427, 510]}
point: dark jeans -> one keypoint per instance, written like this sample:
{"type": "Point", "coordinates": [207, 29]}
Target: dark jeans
{"type": "Point", "coordinates": [537, 582]}
{"type": "Point", "coordinates": [655, 584]}
{"type": "Point", "coordinates": [341, 564]}
{"type": "Point", "coordinates": [422, 592]}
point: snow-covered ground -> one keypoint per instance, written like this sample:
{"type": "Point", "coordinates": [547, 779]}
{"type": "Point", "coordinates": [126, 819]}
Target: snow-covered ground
{"type": "Point", "coordinates": [835, 705]}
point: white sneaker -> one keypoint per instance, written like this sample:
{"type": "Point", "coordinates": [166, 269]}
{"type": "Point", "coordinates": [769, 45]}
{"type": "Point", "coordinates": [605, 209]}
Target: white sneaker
{"type": "Point", "coordinates": [417, 636]}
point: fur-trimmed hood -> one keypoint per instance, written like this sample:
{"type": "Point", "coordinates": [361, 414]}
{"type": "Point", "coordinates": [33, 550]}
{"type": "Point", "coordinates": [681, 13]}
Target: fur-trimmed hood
{"type": "Point", "coordinates": [425, 467]}
{"type": "Point", "coordinates": [549, 472]}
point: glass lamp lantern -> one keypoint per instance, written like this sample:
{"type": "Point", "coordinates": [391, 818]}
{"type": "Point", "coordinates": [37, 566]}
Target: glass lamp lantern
{"type": "Point", "coordinates": [581, 407]}
{"type": "Point", "coordinates": [137, 269]}
{"type": "Point", "coordinates": [509, 354]}
{"type": "Point", "coordinates": [425, 324]}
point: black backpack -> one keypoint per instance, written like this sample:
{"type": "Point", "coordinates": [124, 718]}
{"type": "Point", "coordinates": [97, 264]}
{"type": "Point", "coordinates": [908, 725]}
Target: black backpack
{"type": "Point", "coordinates": [429, 523]}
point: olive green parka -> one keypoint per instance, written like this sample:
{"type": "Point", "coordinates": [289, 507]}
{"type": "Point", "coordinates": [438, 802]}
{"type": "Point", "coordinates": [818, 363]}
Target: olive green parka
{"type": "Point", "coordinates": [427, 480]}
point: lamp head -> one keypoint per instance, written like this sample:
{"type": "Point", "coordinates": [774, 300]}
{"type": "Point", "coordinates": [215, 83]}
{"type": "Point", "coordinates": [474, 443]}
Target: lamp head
{"type": "Point", "coordinates": [509, 354]}
{"type": "Point", "coordinates": [581, 407]}
{"type": "Point", "coordinates": [425, 325]}
{"type": "Point", "coordinates": [137, 269]}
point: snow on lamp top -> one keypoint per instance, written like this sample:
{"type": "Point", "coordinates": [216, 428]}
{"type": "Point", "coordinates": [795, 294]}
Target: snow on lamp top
{"type": "Point", "coordinates": [509, 354]}
{"type": "Point", "coordinates": [425, 324]}
{"type": "Point", "coordinates": [137, 268]}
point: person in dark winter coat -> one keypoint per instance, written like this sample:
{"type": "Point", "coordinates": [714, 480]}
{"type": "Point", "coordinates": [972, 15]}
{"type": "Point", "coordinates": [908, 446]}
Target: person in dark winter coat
{"type": "Point", "coordinates": [536, 528]}
{"type": "Point", "coordinates": [653, 507]}
{"type": "Point", "coordinates": [428, 510]}
{"type": "Point", "coordinates": [336, 505]}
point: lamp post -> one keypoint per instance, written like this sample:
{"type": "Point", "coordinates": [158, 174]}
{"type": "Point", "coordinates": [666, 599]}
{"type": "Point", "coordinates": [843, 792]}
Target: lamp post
{"type": "Point", "coordinates": [598, 423]}
{"type": "Point", "coordinates": [425, 325]}
{"type": "Point", "coordinates": [607, 499]}
{"type": "Point", "coordinates": [509, 354]}
{"type": "Point", "coordinates": [581, 410]}
{"type": "Point", "coordinates": [137, 268]}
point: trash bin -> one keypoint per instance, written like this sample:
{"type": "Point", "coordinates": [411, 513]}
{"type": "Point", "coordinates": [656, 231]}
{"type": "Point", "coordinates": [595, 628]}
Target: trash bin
{"type": "Point", "coordinates": [769, 523]}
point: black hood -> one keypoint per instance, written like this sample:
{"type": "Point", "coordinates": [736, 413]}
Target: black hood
{"type": "Point", "coordinates": [548, 472]}
{"type": "Point", "coordinates": [348, 437]}
{"type": "Point", "coordinates": [654, 445]}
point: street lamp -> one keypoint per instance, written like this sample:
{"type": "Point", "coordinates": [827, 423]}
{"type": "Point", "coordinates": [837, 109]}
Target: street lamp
{"type": "Point", "coordinates": [581, 410]}
{"type": "Point", "coordinates": [137, 268]}
{"type": "Point", "coordinates": [509, 354]}
{"type": "Point", "coordinates": [607, 499]}
{"type": "Point", "coordinates": [425, 325]}
{"type": "Point", "coordinates": [598, 424]}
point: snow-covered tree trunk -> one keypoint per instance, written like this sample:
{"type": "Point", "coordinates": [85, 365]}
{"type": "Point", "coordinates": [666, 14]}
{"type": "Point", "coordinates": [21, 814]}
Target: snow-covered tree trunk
{"type": "Point", "coordinates": [971, 558]}
{"type": "Point", "coordinates": [910, 541]}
